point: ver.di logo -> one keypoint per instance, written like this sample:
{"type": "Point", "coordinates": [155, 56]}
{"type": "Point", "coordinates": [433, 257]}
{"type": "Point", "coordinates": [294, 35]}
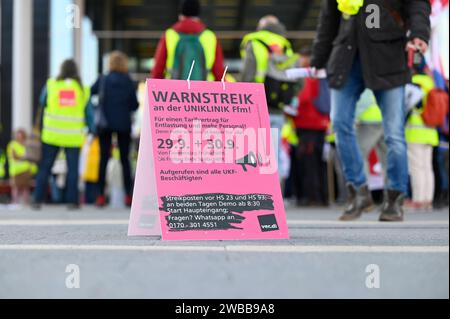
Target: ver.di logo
{"type": "Point", "coordinates": [268, 223]}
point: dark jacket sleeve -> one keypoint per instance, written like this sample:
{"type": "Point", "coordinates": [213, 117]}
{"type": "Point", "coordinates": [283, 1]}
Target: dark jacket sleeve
{"type": "Point", "coordinates": [418, 12]}
{"type": "Point", "coordinates": [95, 87]}
{"type": "Point", "coordinates": [89, 117]}
{"type": "Point", "coordinates": [134, 103]}
{"type": "Point", "coordinates": [326, 33]}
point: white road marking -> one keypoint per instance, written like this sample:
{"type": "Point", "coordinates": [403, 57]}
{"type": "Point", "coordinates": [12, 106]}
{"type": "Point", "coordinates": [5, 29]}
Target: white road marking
{"type": "Point", "coordinates": [55, 222]}
{"type": "Point", "coordinates": [340, 249]}
{"type": "Point", "coordinates": [233, 248]}
{"type": "Point", "coordinates": [369, 223]}
{"type": "Point", "coordinates": [94, 222]}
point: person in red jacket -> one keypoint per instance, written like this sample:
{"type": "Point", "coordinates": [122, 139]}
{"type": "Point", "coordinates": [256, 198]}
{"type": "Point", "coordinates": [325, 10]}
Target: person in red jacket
{"type": "Point", "coordinates": [188, 23]}
{"type": "Point", "coordinates": [311, 123]}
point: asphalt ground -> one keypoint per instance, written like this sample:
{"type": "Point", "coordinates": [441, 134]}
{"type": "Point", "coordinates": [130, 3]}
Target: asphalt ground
{"type": "Point", "coordinates": [54, 253]}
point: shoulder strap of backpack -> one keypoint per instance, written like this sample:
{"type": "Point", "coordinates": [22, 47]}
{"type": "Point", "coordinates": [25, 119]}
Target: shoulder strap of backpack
{"type": "Point", "coordinates": [265, 45]}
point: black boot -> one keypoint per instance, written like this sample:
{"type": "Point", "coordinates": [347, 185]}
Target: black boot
{"type": "Point", "coordinates": [392, 210]}
{"type": "Point", "coordinates": [73, 207]}
{"type": "Point", "coordinates": [360, 200]}
{"type": "Point", "coordinates": [35, 205]}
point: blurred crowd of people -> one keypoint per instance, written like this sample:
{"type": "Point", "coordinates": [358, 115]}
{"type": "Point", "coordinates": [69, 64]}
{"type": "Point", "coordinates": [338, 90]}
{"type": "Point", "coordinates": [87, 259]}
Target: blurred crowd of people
{"type": "Point", "coordinates": [332, 131]}
{"type": "Point", "coordinates": [85, 138]}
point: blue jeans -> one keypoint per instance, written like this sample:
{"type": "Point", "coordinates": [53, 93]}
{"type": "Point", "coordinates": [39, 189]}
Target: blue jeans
{"type": "Point", "coordinates": [393, 108]}
{"type": "Point", "coordinates": [49, 153]}
{"type": "Point", "coordinates": [442, 169]}
{"type": "Point", "coordinates": [90, 192]}
{"type": "Point", "coordinates": [276, 123]}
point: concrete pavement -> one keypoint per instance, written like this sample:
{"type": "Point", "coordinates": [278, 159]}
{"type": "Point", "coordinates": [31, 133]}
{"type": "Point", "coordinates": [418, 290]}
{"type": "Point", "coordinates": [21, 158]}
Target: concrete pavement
{"type": "Point", "coordinates": [323, 259]}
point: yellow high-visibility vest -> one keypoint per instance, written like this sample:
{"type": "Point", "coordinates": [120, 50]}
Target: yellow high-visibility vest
{"type": "Point", "coordinates": [372, 114]}
{"type": "Point", "coordinates": [261, 52]}
{"type": "Point", "coordinates": [207, 39]}
{"type": "Point", "coordinates": [2, 165]}
{"type": "Point", "coordinates": [331, 135]}
{"type": "Point", "coordinates": [350, 7]}
{"type": "Point", "coordinates": [417, 132]}
{"type": "Point", "coordinates": [17, 166]}
{"type": "Point", "coordinates": [64, 115]}
{"type": "Point", "coordinates": [288, 132]}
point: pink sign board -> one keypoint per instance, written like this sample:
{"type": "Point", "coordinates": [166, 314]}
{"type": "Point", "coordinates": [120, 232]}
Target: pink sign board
{"type": "Point", "coordinates": [207, 167]}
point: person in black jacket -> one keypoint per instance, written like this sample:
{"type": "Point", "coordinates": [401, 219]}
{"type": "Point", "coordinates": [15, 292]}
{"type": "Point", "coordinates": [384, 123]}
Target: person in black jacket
{"type": "Point", "coordinates": [117, 102]}
{"type": "Point", "coordinates": [365, 47]}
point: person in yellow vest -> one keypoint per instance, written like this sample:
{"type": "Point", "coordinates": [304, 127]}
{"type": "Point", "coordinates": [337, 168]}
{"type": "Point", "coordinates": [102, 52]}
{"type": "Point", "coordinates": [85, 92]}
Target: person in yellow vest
{"type": "Point", "coordinates": [67, 114]}
{"type": "Point", "coordinates": [257, 46]}
{"type": "Point", "coordinates": [259, 52]}
{"type": "Point", "coordinates": [266, 54]}
{"type": "Point", "coordinates": [186, 41]}
{"type": "Point", "coordinates": [20, 171]}
{"type": "Point", "coordinates": [370, 131]}
{"type": "Point", "coordinates": [421, 139]}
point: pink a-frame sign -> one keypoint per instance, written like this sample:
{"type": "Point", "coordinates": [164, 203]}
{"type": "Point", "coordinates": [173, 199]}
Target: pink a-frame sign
{"type": "Point", "coordinates": [207, 167]}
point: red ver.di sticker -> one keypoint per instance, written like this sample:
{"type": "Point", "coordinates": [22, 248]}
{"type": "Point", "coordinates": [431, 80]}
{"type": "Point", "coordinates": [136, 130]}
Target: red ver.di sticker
{"type": "Point", "coordinates": [67, 98]}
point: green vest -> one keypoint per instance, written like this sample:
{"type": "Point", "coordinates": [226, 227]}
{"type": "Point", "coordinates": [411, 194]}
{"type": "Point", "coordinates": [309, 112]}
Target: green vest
{"type": "Point", "coordinates": [2, 165]}
{"type": "Point", "coordinates": [17, 167]}
{"type": "Point", "coordinates": [64, 115]}
{"type": "Point", "coordinates": [262, 55]}
{"type": "Point", "coordinates": [208, 41]}
{"type": "Point", "coordinates": [416, 130]}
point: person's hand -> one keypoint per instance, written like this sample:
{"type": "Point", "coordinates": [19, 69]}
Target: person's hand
{"type": "Point", "coordinates": [418, 44]}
